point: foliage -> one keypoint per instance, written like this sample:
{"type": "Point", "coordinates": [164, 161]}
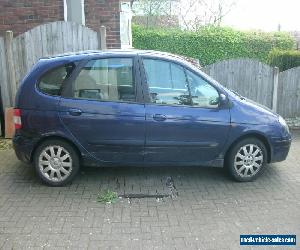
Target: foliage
{"type": "Point", "coordinates": [107, 196]}
{"type": "Point", "coordinates": [210, 43]}
{"type": "Point", "coordinates": [191, 14]}
{"type": "Point", "coordinates": [284, 59]}
{"type": "Point", "coordinates": [196, 13]}
{"type": "Point", "coordinates": [151, 7]}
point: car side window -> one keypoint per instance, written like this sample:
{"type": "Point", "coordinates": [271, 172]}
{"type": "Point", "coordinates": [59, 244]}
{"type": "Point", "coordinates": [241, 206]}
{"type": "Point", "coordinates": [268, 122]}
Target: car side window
{"type": "Point", "coordinates": [109, 79]}
{"type": "Point", "coordinates": [167, 82]}
{"type": "Point", "coordinates": [203, 94]}
{"type": "Point", "coordinates": [52, 81]}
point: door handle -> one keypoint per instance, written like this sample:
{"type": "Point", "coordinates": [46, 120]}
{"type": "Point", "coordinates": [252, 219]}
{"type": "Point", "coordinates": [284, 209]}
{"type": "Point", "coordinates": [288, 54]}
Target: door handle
{"type": "Point", "coordinates": [159, 117]}
{"type": "Point", "coordinates": [75, 112]}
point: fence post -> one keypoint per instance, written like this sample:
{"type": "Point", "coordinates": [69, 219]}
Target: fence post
{"type": "Point", "coordinates": [102, 38]}
{"type": "Point", "coordinates": [10, 66]}
{"type": "Point", "coordinates": [275, 88]}
{"type": "Point", "coordinates": [5, 92]}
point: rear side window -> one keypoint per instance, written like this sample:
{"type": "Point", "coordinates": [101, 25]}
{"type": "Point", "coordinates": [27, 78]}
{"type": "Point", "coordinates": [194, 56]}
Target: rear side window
{"type": "Point", "coordinates": [107, 79]}
{"type": "Point", "coordinates": [51, 82]}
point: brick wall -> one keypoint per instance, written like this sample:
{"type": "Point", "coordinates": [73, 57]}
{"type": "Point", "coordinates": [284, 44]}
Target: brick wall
{"type": "Point", "coordinates": [22, 15]}
{"type": "Point", "coordinates": [107, 13]}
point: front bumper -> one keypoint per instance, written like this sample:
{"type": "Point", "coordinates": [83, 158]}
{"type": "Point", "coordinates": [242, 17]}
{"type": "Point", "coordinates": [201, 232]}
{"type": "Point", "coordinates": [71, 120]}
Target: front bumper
{"type": "Point", "coordinates": [23, 148]}
{"type": "Point", "coordinates": [281, 148]}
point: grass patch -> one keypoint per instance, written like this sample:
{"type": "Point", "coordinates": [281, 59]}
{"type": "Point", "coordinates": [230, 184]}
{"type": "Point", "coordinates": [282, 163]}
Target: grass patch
{"type": "Point", "coordinates": [107, 196]}
{"type": "Point", "coordinates": [5, 144]}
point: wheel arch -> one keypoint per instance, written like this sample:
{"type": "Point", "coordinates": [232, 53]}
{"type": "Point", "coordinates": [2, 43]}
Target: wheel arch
{"type": "Point", "coordinates": [56, 137]}
{"type": "Point", "coordinates": [256, 135]}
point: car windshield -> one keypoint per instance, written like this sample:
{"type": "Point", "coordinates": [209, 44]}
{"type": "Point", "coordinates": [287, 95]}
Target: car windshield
{"type": "Point", "coordinates": [209, 78]}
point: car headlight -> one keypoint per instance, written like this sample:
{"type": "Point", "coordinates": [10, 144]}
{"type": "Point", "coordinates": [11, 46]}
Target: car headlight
{"type": "Point", "coordinates": [284, 124]}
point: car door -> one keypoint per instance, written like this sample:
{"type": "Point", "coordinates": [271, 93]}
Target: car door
{"type": "Point", "coordinates": [184, 122]}
{"type": "Point", "coordinates": [104, 111]}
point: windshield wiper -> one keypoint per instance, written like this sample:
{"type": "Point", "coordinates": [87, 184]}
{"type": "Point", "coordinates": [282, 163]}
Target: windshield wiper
{"type": "Point", "coordinates": [237, 94]}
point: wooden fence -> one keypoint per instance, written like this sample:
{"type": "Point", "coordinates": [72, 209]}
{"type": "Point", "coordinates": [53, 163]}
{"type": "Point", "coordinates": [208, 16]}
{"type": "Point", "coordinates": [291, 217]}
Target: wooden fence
{"type": "Point", "coordinates": [288, 104]}
{"type": "Point", "coordinates": [279, 91]}
{"type": "Point", "coordinates": [19, 54]}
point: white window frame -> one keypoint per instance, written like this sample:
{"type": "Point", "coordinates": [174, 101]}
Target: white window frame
{"type": "Point", "coordinates": [82, 12]}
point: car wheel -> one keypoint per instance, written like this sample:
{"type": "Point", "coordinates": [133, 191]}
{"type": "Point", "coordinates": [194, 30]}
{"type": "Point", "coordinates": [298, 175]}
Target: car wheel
{"type": "Point", "coordinates": [56, 162]}
{"type": "Point", "coordinates": [246, 160]}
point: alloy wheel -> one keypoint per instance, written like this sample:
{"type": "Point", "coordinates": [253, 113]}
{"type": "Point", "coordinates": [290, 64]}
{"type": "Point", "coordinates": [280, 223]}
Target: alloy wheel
{"type": "Point", "coordinates": [248, 160]}
{"type": "Point", "coordinates": [55, 163]}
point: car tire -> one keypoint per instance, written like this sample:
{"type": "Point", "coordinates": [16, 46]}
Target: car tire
{"type": "Point", "coordinates": [247, 159]}
{"type": "Point", "coordinates": [56, 162]}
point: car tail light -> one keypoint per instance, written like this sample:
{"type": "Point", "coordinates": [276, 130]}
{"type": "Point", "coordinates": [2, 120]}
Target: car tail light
{"type": "Point", "coordinates": [17, 118]}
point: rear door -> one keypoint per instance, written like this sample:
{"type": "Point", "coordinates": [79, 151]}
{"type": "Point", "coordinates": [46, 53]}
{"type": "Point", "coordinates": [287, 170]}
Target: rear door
{"type": "Point", "coordinates": [104, 109]}
{"type": "Point", "coordinates": [184, 123]}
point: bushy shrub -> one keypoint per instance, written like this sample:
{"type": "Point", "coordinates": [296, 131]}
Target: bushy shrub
{"type": "Point", "coordinates": [284, 59]}
{"type": "Point", "coordinates": [211, 44]}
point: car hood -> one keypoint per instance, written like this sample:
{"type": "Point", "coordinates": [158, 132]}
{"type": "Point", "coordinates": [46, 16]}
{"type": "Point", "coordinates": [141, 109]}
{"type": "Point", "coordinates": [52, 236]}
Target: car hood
{"type": "Point", "coordinates": [260, 107]}
{"type": "Point", "coordinates": [247, 111]}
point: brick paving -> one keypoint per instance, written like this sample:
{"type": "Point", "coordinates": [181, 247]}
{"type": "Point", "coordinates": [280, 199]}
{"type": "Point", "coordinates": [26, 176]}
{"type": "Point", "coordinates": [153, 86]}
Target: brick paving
{"type": "Point", "coordinates": [204, 209]}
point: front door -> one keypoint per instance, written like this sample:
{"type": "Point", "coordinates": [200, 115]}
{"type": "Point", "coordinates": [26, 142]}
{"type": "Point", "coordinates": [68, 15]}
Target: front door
{"type": "Point", "coordinates": [184, 123]}
{"type": "Point", "coordinates": [103, 110]}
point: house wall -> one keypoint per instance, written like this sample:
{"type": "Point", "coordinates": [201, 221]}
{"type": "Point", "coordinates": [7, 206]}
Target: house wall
{"type": "Point", "coordinates": [107, 13]}
{"type": "Point", "coordinates": [23, 15]}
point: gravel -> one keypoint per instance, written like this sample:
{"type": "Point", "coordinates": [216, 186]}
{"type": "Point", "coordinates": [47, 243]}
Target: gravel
{"type": "Point", "coordinates": [293, 123]}
{"type": "Point", "coordinates": [5, 144]}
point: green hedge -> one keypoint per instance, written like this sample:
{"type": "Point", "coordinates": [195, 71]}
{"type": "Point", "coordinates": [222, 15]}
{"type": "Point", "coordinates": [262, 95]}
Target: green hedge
{"type": "Point", "coordinates": [284, 59]}
{"type": "Point", "coordinates": [211, 44]}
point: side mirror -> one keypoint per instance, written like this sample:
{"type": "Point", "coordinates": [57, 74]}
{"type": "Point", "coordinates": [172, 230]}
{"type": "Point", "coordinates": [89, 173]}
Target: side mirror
{"type": "Point", "coordinates": [223, 99]}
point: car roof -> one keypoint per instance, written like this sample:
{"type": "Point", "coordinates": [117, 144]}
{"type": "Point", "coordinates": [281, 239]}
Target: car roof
{"type": "Point", "coordinates": [80, 55]}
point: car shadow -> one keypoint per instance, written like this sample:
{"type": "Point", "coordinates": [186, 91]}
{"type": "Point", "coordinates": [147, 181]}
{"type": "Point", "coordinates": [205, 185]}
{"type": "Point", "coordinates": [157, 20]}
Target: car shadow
{"type": "Point", "coordinates": [144, 182]}
{"type": "Point", "coordinates": [91, 175]}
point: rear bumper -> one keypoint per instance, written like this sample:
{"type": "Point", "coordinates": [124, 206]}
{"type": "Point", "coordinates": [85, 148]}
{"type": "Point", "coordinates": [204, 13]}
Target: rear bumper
{"type": "Point", "coordinates": [23, 147]}
{"type": "Point", "coordinates": [281, 148]}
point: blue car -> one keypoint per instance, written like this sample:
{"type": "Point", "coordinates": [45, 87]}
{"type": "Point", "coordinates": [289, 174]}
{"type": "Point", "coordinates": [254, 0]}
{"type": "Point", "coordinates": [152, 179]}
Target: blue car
{"type": "Point", "coordinates": [139, 108]}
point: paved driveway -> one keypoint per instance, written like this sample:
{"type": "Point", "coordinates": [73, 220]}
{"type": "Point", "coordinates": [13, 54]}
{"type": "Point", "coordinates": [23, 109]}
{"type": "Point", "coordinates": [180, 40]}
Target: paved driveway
{"type": "Point", "coordinates": [203, 208]}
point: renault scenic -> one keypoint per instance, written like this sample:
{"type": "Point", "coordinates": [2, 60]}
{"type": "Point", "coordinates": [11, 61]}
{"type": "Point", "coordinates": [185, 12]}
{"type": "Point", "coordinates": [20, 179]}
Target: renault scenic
{"type": "Point", "coordinates": [139, 108]}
